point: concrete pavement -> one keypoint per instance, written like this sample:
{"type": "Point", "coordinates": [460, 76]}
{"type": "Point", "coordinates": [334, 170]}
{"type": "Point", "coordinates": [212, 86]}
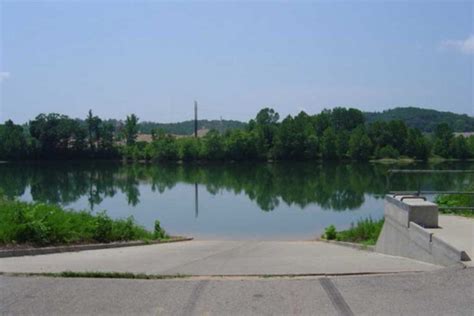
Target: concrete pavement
{"type": "Point", "coordinates": [444, 292]}
{"type": "Point", "coordinates": [220, 258]}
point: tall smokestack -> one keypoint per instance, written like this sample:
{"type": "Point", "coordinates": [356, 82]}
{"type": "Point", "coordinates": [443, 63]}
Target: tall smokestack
{"type": "Point", "coordinates": [195, 119]}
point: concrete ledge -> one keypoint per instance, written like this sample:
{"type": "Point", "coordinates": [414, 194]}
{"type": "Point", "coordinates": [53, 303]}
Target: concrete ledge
{"type": "Point", "coordinates": [74, 248]}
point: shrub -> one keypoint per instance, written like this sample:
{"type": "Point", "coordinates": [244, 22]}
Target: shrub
{"type": "Point", "coordinates": [330, 232]}
{"type": "Point", "coordinates": [387, 152]}
{"type": "Point", "coordinates": [103, 232]}
{"type": "Point", "coordinates": [366, 231]}
{"type": "Point", "coordinates": [44, 224]}
{"type": "Point", "coordinates": [159, 232]}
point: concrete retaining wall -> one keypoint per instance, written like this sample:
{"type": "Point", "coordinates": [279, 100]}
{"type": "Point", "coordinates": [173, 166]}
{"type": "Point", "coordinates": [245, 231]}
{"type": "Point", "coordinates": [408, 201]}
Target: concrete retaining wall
{"type": "Point", "coordinates": [403, 233]}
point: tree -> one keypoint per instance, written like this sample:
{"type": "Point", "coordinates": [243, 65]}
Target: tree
{"type": "Point", "coordinates": [398, 134]}
{"type": "Point", "coordinates": [346, 119]}
{"type": "Point", "coordinates": [442, 140]}
{"type": "Point", "coordinates": [93, 128]}
{"type": "Point", "coordinates": [459, 148]}
{"type": "Point", "coordinates": [106, 142]}
{"type": "Point", "coordinates": [360, 146]}
{"type": "Point", "coordinates": [130, 130]}
{"type": "Point", "coordinates": [213, 146]}
{"type": "Point", "coordinates": [164, 148]}
{"type": "Point", "coordinates": [321, 122]}
{"type": "Point", "coordinates": [470, 145]}
{"type": "Point", "coordinates": [328, 144]}
{"type": "Point", "coordinates": [189, 148]}
{"type": "Point", "coordinates": [79, 137]}
{"type": "Point", "coordinates": [54, 134]}
{"type": "Point", "coordinates": [342, 144]}
{"type": "Point", "coordinates": [265, 128]}
{"type": "Point", "coordinates": [296, 138]}
{"type": "Point", "coordinates": [267, 116]}
{"type": "Point", "coordinates": [387, 152]}
{"type": "Point", "coordinates": [393, 134]}
{"type": "Point", "coordinates": [417, 146]}
{"type": "Point", "coordinates": [240, 145]}
{"type": "Point", "coordinates": [13, 143]}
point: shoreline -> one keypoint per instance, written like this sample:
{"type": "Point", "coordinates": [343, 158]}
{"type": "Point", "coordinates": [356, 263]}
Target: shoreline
{"type": "Point", "coordinates": [6, 252]}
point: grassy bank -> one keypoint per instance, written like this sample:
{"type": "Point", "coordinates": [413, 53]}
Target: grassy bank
{"type": "Point", "coordinates": [366, 232]}
{"type": "Point", "coordinates": [457, 200]}
{"type": "Point", "coordinates": [39, 224]}
{"type": "Point", "coordinates": [390, 161]}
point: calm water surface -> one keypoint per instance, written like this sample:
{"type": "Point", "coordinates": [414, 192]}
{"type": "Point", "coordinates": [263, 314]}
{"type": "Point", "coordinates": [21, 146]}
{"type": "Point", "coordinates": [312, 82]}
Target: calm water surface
{"type": "Point", "coordinates": [229, 201]}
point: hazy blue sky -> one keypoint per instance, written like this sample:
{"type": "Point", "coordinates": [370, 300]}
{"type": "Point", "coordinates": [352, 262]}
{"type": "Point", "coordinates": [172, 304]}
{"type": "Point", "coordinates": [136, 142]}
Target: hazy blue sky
{"type": "Point", "coordinates": [155, 58]}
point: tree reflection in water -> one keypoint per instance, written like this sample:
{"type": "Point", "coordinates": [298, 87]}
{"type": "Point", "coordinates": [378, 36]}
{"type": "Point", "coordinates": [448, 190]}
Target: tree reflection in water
{"type": "Point", "coordinates": [338, 186]}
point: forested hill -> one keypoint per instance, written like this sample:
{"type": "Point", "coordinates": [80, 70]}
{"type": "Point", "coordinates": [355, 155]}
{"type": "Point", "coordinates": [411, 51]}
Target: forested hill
{"type": "Point", "coordinates": [187, 127]}
{"type": "Point", "coordinates": [424, 119]}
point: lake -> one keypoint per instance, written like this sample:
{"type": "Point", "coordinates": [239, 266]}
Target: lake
{"type": "Point", "coordinates": [279, 201]}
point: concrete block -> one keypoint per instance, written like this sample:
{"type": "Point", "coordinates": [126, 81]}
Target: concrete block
{"type": "Point", "coordinates": [406, 209]}
{"type": "Point", "coordinates": [395, 212]}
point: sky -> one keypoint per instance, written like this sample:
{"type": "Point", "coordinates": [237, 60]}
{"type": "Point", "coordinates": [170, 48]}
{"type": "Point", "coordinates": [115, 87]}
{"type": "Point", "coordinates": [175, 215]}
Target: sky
{"type": "Point", "coordinates": [155, 58]}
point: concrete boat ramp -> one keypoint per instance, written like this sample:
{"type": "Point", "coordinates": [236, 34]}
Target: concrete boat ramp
{"type": "Point", "coordinates": [205, 258]}
{"type": "Point", "coordinates": [262, 277]}
{"type": "Point", "coordinates": [414, 238]}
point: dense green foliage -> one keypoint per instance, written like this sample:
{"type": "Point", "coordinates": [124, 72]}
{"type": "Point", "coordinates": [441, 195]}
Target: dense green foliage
{"type": "Point", "coordinates": [130, 130]}
{"type": "Point", "coordinates": [187, 127]}
{"type": "Point", "coordinates": [425, 120]}
{"type": "Point", "coordinates": [46, 224]}
{"type": "Point", "coordinates": [338, 134]}
{"type": "Point", "coordinates": [55, 136]}
{"type": "Point", "coordinates": [452, 201]}
{"type": "Point", "coordinates": [366, 231]}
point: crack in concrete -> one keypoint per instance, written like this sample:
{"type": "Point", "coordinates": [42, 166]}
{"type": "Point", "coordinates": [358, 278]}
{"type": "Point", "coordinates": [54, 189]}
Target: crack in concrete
{"type": "Point", "coordinates": [190, 306]}
{"type": "Point", "coordinates": [336, 297]}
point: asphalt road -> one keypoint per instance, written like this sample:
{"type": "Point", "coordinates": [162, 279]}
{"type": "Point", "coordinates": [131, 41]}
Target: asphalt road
{"type": "Point", "coordinates": [444, 292]}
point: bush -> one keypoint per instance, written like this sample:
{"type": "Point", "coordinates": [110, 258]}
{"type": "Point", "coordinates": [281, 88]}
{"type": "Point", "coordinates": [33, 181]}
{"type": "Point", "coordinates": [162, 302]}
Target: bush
{"type": "Point", "coordinates": [103, 231]}
{"type": "Point", "coordinates": [330, 232]}
{"type": "Point", "coordinates": [366, 231]}
{"type": "Point", "coordinates": [159, 232]}
{"type": "Point", "coordinates": [189, 149]}
{"type": "Point", "coordinates": [44, 224]}
{"type": "Point", "coordinates": [387, 152]}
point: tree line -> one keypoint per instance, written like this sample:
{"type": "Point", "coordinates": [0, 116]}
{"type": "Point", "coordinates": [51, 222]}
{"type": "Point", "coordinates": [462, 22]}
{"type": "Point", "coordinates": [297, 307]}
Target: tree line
{"type": "Point", "coordinates": [334, 135]}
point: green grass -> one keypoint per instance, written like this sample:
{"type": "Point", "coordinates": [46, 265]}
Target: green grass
{"type": "Point", "coordinates": [464, 213]}
{"type": "Point", "coordinates": [366, 232]}
{"type": "Point", "coordinates": [456, 200]}
{"type": "Point", "coordinates": [40, 224]}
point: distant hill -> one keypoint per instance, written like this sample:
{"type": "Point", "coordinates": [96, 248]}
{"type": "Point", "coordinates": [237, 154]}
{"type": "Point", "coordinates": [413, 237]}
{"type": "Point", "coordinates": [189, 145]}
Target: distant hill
{"type": "Point", "coordinates": [424, 119]}
{"type": "Point", "coordinates": [187, 127]}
